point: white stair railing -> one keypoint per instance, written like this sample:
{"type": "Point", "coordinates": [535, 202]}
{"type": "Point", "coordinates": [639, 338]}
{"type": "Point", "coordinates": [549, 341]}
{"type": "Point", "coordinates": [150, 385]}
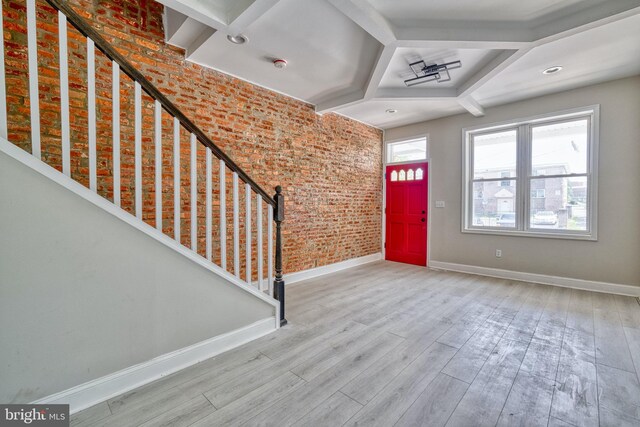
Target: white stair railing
{"type": "Point", "coordinates": [253, 273]}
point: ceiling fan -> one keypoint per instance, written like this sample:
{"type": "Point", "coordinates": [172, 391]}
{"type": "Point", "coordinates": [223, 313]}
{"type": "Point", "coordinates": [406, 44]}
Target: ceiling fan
{"type": "Point", "coordinates": [433, 72]}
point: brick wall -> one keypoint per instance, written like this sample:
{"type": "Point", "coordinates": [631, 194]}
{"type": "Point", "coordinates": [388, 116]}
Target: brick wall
{"type": "Point", "coordinates": [329, 166]}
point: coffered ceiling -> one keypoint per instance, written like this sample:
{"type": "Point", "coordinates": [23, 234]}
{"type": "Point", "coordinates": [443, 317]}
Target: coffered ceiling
{"type": "Point", "coordinates": [352, 56]}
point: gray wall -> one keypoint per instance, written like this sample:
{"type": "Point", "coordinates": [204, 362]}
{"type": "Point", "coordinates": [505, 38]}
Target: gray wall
{"type": "Point", "coordinates": [614, 258]}
{"type": "Point", "coordinates": [82, 294]}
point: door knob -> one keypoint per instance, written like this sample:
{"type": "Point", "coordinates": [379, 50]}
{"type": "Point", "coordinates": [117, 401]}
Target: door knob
{"type": "Point", "coordinates": [422, 211]}
{"type": "Point", "coordinates": [422, 220]}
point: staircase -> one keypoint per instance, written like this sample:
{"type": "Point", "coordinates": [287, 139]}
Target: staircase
{"type": "Point", "coordinates": [135, 153]}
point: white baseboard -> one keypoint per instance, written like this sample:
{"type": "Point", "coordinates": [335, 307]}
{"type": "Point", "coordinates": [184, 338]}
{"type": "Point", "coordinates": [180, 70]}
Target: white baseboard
{"type": "Point", "coordinates": [109, 386]}
{"type": "Point", "coordinates": [331, 268]}
{"type": "Point", "coordinates": [566, 282]}
{"type": "Point", "coordinates": [59, 178]}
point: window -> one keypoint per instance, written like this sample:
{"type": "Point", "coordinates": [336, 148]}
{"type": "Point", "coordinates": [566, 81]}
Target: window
{"type": "Point", "coordinates": [407, 151]}
{"type": "Point", "coordinates": [533, 177]}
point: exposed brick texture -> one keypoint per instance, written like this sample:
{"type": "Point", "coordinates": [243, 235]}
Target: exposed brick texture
{"type": "Point", "coordinates": [330, 167]}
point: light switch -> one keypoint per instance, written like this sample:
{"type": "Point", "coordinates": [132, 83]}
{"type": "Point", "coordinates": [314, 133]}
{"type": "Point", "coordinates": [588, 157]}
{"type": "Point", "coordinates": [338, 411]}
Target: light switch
{"type": "Point", "coordinates": [439, 203]}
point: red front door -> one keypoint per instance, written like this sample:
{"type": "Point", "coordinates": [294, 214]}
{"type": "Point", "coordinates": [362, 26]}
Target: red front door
{"type": "Point", "coordinates": [406, 210]}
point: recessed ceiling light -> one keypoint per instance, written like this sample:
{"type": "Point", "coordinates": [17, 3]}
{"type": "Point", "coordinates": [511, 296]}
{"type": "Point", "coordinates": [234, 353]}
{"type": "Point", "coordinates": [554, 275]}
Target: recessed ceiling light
{"type": "Point", "coordinates": [237, 39]}
{"type": "Point", "coordinates": [552, 70]}
{"type": "Point", "coordinates": [391, 111]}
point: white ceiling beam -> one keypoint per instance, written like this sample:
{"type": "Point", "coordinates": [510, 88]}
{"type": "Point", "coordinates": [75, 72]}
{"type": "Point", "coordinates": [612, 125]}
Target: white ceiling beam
{"type": "Point", "coordinates": [173, 21]}
{"type": "Point", "coordinates": [340, 101]}
{"type": "Point", "coordinates": [235, 8]}
{"type": "Point", "coordinates": [200, 41]}
{"type": "Point", "coordinates": [472, 106]}
{"type": "Point", "coordinates": [382, 63]}
{"type": "Point", "coordinates": [468, 35]}
{"type": "Point", "coordinates": [566, 26]}
{"type": "Point", "coordinates": [513, 40]}
{"type": "Point", "coordinates": [368, 18]}
{"type": "Point", "coordinates": [183, 31]}
{"type": "Point", "coordinates": [563, 27]}
{"type": "Point", "coordinates": [418, 93]}
{"type": "Point", "coordinates": [489, 71]}
{"type": "Point", "coordinates": [250, 15]}
{"type": "Point", "coordinates": [198, 11]}
{"type": "Point", "coordinates": [460, 44]}
{"type": "Point", "coordinates": [578, 21]}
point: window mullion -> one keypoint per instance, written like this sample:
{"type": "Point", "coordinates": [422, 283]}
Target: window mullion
{"type": "Point", "coordinates": [591, 169]}
{"type": "Point", "coordinates": [522, 172]}
{"type": "Point", "coordinates": [470, 171]}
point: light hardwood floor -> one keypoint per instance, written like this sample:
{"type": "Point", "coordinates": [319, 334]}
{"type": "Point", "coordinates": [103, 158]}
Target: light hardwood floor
{"type": "Point", "coordinates": [389, 344]}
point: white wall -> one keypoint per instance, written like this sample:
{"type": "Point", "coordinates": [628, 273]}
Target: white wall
{"type": "Point", "coordinates": [83, 294]}
{"type": "Point", "coordinates": [614, 258]}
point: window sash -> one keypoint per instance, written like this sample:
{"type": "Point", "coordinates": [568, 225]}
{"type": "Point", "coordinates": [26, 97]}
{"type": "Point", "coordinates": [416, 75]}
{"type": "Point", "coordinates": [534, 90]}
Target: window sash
{"type": "Point", "coordinates": [471, 174]}
{"type": "Point", "coordinates": [558, 120]}
{"type": "Point", "coordinates": [472, 136]}
{"type": "Point", "coordinates": [471, 205]}
{"type": "Point", "coordinates": [527, 212]}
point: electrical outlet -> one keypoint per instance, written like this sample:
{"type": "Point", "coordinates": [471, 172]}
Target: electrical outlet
{"type": "Point", "coordinates": [440, 204]}
{"type": "Point", "coordinates": [498, 253]}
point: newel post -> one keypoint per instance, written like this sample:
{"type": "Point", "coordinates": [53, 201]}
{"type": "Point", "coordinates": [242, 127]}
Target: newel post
{"type": "Point", "coordinates": [278, 284]}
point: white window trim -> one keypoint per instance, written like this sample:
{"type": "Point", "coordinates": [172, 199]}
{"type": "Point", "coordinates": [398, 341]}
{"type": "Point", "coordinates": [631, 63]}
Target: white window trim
{"type": "Point", "coordinates": [523, 179]}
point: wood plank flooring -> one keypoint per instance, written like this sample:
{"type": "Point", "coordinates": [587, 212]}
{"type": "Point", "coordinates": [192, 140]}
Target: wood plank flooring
{"type": "Point", "coordinates": [389, 344]}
